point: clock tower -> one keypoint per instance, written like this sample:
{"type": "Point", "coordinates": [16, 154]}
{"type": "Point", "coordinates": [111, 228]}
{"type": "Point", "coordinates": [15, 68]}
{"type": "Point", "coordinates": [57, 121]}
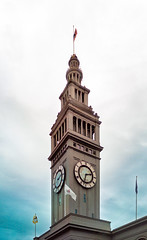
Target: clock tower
{"type": "Point", "coordinates": [75, 170]}
{"type": "Point", "coordinates": [75, 151]}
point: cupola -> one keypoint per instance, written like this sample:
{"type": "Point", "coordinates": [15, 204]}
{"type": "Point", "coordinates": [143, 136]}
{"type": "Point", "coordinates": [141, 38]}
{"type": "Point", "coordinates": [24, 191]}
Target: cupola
{"type": "Point", "coordinates": [74, 73]}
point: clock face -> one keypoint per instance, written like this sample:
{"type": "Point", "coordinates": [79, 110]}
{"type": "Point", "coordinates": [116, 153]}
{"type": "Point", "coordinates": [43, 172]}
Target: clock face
{"type": "Point", "coordinates": [85, 174]}
{"type": "Point", "coordinates": [58, 179]}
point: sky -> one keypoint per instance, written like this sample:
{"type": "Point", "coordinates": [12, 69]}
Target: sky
{"type": "Point", "coordinates": [35, 47]}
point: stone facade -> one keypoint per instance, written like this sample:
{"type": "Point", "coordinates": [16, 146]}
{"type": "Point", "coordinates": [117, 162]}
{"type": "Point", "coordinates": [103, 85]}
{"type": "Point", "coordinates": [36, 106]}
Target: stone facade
{"type": "Point", "coordinates": [75, 161]}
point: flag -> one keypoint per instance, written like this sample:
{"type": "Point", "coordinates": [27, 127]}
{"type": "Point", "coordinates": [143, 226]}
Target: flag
{"type": "Point", "coordinates": [68, 191]}
{"type": "Point", "coordinates": [35, 219]}
{"type": "Point", "coordinates": [136, 186]}
{"type": "Point", "coordinates": [75, 34]}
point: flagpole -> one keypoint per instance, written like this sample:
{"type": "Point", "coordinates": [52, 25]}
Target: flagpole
{"type": "Point", "coordinates": [73, 41]}
{"type": "Point", "coordinates": [136, 190]}
{"type": "Point", "coordinates": [35, 230]}
{"type": "Point", "coordinates": [64, 202]}
{"type": "Point", "coordinates": [35, 220]}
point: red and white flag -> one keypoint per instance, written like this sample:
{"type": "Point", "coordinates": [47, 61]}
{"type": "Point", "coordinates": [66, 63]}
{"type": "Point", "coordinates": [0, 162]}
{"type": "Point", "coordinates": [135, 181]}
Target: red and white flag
{"type": "Point", "coordinates": [75, 34]}
{"type": "Point", "coordinates": [68, 191]}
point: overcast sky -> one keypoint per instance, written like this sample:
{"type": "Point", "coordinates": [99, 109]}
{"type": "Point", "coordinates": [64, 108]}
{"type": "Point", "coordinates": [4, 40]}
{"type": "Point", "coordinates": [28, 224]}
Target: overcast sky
{"type": "Point", "coordinates": [35, 46]}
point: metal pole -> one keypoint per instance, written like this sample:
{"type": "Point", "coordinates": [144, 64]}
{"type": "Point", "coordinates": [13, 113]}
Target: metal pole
{"type": "Point", "coordinates": [64, 201]}
{"type": "Point", "coordinates": [136, 206]}
{"type": "Point", "coordinates": [136, 190]}
{"type": "Point", "coordinates": [73, 41]}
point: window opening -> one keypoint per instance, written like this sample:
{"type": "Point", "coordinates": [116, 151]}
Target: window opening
{"type": "Point", "coordinates": [74, 123]}
{"type": "Point", "coordinates": [93, 132]}
{"type": "Point", "coordinates": [75, 93]}
{"type": "Point", "coordinates": [79, 94]}
{"type": "Point", "coordinates": [82, 97]}
{"type": "Point", "coordinates": [54, 140]}
{"type": "Point", "coordinates": [62, 129]}
{"type": "Point", "coordinates": [65, 125]}
{"type": "Point", "coordinates": [84, 128]}
{"type": "Point", "coordinates": [60, 133]}
{"type": "Point", "coordinates": [88, 130]}
{"type": "Point", "coordinates": [79, 125]}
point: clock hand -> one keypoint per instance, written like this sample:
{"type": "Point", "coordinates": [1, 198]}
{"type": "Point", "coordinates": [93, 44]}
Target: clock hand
{"type": "Point", "coordinates": [58, 178]}
{"type": "Point", "coordinates": [87, 174]}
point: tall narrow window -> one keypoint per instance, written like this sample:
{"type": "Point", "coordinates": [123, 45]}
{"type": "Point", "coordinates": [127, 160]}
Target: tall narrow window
{"type": "Point", "coordinates": [93, 132]}
{"type": "Point", "coordinates": [60, 133]}
{"type": "Point", "coordinates": [75, 93]}
{"type": "Point", "coordinates": [84, 197]}
{"type": "Point", "coordinates": [88, 130]}
{"type": "Point", "coordinates": [84, 128]}
{"type": "Point", "coordinates": [65, 125]}
{"type": "Point", "coordinates": [54, 140]}
{"type": "Point", "coordinates": [79, 95]}
{"type": "Point", "coordinates": [79, 125]}
{"type": "Point", "coordinates": [74, 123]}
{"type": "Point", "coordinates": [82, 97]}
{"type": "Point", "coordinates": [62, 129]}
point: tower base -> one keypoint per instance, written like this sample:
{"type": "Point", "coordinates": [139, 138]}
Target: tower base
{"type": "Point", "coordinates": [77, 227]}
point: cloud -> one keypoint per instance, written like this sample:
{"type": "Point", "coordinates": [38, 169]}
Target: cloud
{"type": "Point", "coordinates": [35, 48]}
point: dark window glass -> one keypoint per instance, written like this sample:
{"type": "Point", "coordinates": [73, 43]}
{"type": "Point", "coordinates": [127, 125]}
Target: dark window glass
{"type": "Point", "coordinates": [74, 123]}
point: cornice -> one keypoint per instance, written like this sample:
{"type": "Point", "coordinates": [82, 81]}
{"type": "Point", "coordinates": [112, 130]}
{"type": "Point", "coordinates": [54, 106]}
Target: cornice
{"type": "Point", "coordinates": [74, 83]}
{"type": "Point", "coordinates": [77, 108]}
{"type": "Point", "coordinates": [79, 139]}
